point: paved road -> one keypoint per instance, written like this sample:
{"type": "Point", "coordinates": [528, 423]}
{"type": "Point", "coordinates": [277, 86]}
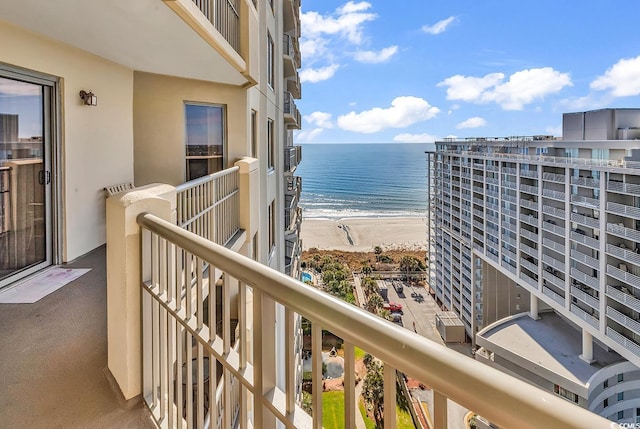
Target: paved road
{"type": "Point", "coordinates": [420, 307]}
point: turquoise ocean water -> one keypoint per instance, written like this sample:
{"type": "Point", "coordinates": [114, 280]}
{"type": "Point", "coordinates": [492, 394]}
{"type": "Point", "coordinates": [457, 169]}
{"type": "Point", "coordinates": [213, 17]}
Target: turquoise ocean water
{"type": "Point", "coordinates": [363, 180]}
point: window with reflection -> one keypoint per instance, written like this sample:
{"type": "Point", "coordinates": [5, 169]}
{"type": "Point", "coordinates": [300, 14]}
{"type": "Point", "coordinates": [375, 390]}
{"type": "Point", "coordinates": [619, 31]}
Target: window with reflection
{"type": "Point", "coordinates": [205, 139]}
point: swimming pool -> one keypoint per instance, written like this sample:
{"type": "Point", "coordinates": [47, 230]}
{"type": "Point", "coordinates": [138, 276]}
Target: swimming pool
{"type": "Point", "coordinates": [306, 277]}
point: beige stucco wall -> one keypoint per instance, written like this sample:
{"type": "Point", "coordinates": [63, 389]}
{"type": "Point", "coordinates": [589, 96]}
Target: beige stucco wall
{"type": "Point", "coordinates": [97, 142]}
{"type": "Point", "coordinates": [159, 124]}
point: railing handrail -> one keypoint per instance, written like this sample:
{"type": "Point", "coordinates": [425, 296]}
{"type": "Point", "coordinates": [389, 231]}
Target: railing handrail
{"type": "Point", "coordinates": [501, 398]}
{"type": "Point", "coordinates": [204, 179]}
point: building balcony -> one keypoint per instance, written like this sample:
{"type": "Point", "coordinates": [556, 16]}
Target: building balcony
{"type": "Point", "coordinates": [623, 253]}
{"type": "Point", "coordinates": [627, 343]}
{"type": "Point", "coordinates": [624, 210]}
{"type": "Point", "coordinates": [621, 231]}
{"type": "Point", "coordinates": [624, 188]}
{"type": "Point", "coordinates": [589, 221]}
{"type": "Point", "coordinates": [291, 16]}
{"type": "Point", "coordinates": [620, 273]}
{"type": "Point", "coordinates": [553, 177]}
{"type": "Point", "coordinates": [292, 117]}
{"type": "Point", "coordinates": [556, 195]}
{"type": "Point", "coordinates": [560, 213]}
{"type": "Point", "coordinates": [590, 319]}
{"type": "Point", "coordinates": [579, 237]}
{"type": "Point", "coordinates": [624, 320]}
{"type": "Point", "coordinates": [547, 242]}
{"type": "Point", "coordinates": [551, 227]}
{"type": "Point", "coordinates": [583, 201]}
{"type": "Point", "coordinates": [559, 299]}
{"type": "Point", "coordinates": [194, 39]}
{"type": "Point", "coordinates": [585, 182]}
{"type": "Point", "coordinates": [586, 260]}
{"type": "Point", "coordinates": [291, 56]}
{"type": "Point", "coordinates": [624, 296]}
{"type": "Point", "coordinates": [585, 278]}
{"type": "Point", "coordinates": [585, 297]}
{"type": "Point", "coordinates": [548, 276]}
{"type": "Point", "coordinates": [292, 157]}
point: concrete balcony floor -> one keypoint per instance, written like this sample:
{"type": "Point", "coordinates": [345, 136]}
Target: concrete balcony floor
{"type": "Point", "coordinates": [53, 359]}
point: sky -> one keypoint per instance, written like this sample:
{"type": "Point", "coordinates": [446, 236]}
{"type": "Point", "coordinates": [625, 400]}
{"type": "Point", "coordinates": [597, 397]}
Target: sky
{"type": "Point", "coordinates": [415, 71]}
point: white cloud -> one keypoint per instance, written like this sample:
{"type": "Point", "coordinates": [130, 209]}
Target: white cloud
{"type": "Point", "coordinates": [623, 78]}
{"type": "Point", "coordinates": [307, 136]}
{"type": "Point", "coordinates": [311, 48]}
{"type": "Point", "coordinates": [522, 88]}
{"type": "Point", "coordinates": [373, 57]}
{"type": "Point", "coordinates": [439, 27]}
{"type": "Point", "coordinates": [415, 138]}
{"type": "Point", "coordinates": [404, 111]}
{"type": "Point", "coordinates": [554, 131]}
{"type": "Point", "coordinates": [346, 21]}
{"type": "Point", "coordinates": [475, 122]}
{"type": "Point", "coordinates": [317, 75]}
{"type": "Point", "coordinates": [320, 119]}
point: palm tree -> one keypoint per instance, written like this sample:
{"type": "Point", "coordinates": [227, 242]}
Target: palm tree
{"type": "Point", "coordinates": [373, 391]}
{"type": "Point", "coordinates": [374, 303]}
{"type": "Point", "coordinates": [378, 251]}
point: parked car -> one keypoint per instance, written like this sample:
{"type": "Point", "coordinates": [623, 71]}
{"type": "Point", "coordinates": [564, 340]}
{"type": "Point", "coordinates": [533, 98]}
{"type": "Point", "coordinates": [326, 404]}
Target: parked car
{"type": "Point", "coordinates": [393, 307]}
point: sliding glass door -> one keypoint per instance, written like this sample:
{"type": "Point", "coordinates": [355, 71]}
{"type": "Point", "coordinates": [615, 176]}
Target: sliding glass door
{"type": "Point", "coordinates": [26, 106]}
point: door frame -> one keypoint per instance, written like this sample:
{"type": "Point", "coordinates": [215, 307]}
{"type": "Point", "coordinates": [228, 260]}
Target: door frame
{"type": "Point", "coordinates": [52, 160]}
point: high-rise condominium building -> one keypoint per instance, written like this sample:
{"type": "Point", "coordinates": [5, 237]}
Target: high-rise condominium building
{"type": "Point", "coordinates": [548, 228]}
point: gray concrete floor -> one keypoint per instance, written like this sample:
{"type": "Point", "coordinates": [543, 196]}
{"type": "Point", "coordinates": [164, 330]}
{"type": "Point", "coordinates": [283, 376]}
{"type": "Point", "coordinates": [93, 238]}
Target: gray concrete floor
{"type": "Point", "coordinates": [53, 359]}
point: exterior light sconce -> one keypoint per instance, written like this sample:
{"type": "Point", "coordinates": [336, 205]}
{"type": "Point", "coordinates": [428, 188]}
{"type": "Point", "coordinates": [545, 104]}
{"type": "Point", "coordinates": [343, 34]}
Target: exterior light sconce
{"type": "Point", "coordinates": [89, 98]}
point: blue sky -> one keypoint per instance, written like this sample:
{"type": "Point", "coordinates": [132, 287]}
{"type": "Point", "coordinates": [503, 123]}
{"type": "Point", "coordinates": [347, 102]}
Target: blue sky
{"type": "Point", "coordinates": [419, 70]}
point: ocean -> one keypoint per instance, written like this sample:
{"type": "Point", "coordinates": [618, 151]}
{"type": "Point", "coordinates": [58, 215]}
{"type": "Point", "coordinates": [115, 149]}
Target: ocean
{"type": "Point", "coordinates": [363, 180]}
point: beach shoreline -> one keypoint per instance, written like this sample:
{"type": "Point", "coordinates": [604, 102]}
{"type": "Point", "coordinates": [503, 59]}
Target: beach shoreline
{"type": "Point", "coordinates": [362, 234]}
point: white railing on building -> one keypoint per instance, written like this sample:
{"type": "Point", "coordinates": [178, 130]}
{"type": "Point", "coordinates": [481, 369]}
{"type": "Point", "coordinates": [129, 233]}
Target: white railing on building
{"type": "Point", "coordinates": [532, 220]}
{"type": "Point", "coordinates": [585, 297]}
{"type": "Point", "coordinates": [556, 195]}
{"type": "Point", "coordinates": [627, 188]}
{"type": "Point", "coordinates": [528, 265]}
{"type": "Point", "coordinates": [585, 201]}
{"type": "Point", "coordinates": [623, 254]}
{"type": "Point", "coordinates": [553, 295]}
{"type": "Point", "coordinates": [623, 275]}
{"type": "Point", "coordinates": [529, 280]}
{"type": "Point", "coordinates": [585, 259]}
{"type": "Point", "coordinates": [585, 220]}
{"type": "Point", "coordinates": [174, 290]}
{"type": "Point", "coordinates": [553, 177]}
{"type": "Point", "coordinates": [624, 341]}
{"type": "Point", "coordinates": [587, 241]}
{"type": "Point", "coordinates": [585, 181]}
{"type": "Point", "coordinates": [623, 296]}
{"type": "Point", "coordinates": [591, 320]}
{"type": "Point", "coordinates": [558, 230]}
{"type": "Point", "coordinates": [553, 211]}
{"type": "Point", "coordinates": [210, 206]}
{"type": "Point", "coordinates": [529, 234]}
{"type": "Point", "coordinates": [624, 209]}
{"type": "Point", "coordinates": [550, 260]}
{"type": "Point", "coordinates": [623, 231]}
{"type": "Point", "coordinates": [585, 278]}
{"type": "Point", "coordinates": [553, 245]}
{"type": "Point", "coordinates": [529, 204]}
{"type": "Point", "coordinates": [529, 250]}
{"type": "Point", "coordinates": [549, 277]}
{"type": "Point", "coordinates": [623, 320]}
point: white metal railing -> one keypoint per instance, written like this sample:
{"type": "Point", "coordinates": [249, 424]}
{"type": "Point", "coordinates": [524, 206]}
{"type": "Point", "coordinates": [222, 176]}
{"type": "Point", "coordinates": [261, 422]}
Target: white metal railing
{"type": "Point", "coordinates": [549, 260]}
{"type": "Point", "coordinates": [548, 226]}
{"type": "Point", "coordinates": [628, 188]}
{"type": "Point", "coordinates": [623, 319]}
{"type": "Point", "coordinates": [533, 205]}
{"type": "Point", "coordinates": [624, 209]}
{"type": "Point", "coordinates": [624, 341]}
{"type": "Point", "coordinates": [529, 280]}
{"type": "Point", "coordinates": [528, 265]}
{"type": "Point", "coordinates": [591, 320]}
{"type": "Point", "coordinates": [553, 210]}
{"type": "Point", "coordinates": [510, 170]}
{"type": "Point", "coordinates": [623, 276]}
{"type": "Point", "coordinates": [585, 297]}
{"type": "Point", "coordinates": [585, 220]}
{"type": "Point", "coordinates": [529, 189]}
{"type": "Point", "coordinates": [585, 181]}
{"type": "Point", "coordinates": [623, 254]}
{"type": "Point", "coordinates": [625, 297]}
{"type": "Point", "coordinates": [209, 206]}
{"type": "Point", "coordinates": [553, 177]}
{"type": "Point", "coordinates": [509, 185]}
{"type": "Point", "coordinates": [585, 201]}
{"type": "Point", "coordinates": [529, 234]}
{"type": "Point", "coordinates": [173, 322]}
{"type": "Point", "coordinates": [556, 195]}
{"type": "Point", "coordinates": [585, 278]}
{"type": "Point", "coordinates": [587, 241]}
{"type": "Point", "coordinates": [587, 260]}
{"type": "Point", "coordinates": [529, 173]}
{"type": "Point", "coordinates": [623, 231]}
{"type": "Point", "coordinates": [532, 220]}
{"type": "Point", "coordinates": [559, 283]}
{"type": "Point", "coordinates": [553, 245]}
{"type": "Point", "coordinates": [510, 198]}
{"type": "Point", "coordinates": [553, 295]}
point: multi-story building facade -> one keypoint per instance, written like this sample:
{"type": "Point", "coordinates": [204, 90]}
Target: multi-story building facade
{"type": "Point", "coordinates": [526, 224]}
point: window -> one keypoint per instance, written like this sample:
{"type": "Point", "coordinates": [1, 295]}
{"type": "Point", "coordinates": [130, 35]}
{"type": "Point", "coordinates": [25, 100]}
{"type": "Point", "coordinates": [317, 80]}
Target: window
{"type": "Point", "coordinates": [605, 384]}
{"type": "Point", "coordinates": [620, 378]}
{"type": "Point", "coordinates": [620, 396]}
{"type": "Point", "coordinates": [567, 394]}
{"type": "Point", "coordinates": [270, 61]}
{"type": "Point", "coordinates": [254, 134]}
{"type": "Point", "coordinates": [620, 415]}
{"type": "Point", "coordinates": [270, 144]}
{"type": "Point", "coordinates": [272, 226]}
{"type": "Point", "coordinates": [605, 403]}
{"type": "Point", "coordinates": [205, 139]}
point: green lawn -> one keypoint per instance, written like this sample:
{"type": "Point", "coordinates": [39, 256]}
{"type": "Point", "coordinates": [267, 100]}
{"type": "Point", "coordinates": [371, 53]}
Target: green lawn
{"type": "Point", "coordinates": [333, 410]}
{"type": "Point", "coordinates": [359, 353]}
{"type": "Point", "coordinates": [403, 418]}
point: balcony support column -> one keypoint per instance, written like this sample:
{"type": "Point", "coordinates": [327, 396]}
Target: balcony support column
{"type": "Point", "coordinates": [249, 188]}
{"type": "Point", "coordinates": [533, 304]}
{"type": "Point", "coordinates": [587, 347]}
{"type": "Point", "coordinates": [124, 354]}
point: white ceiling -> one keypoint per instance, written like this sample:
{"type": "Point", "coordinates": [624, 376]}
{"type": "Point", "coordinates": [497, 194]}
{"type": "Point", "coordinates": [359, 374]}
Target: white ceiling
{"type": "Point", "coordinates": [143, 35]}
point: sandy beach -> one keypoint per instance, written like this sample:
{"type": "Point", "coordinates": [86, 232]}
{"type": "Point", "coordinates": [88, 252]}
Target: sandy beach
{"type": "Point", "coordinates": [362, 234]}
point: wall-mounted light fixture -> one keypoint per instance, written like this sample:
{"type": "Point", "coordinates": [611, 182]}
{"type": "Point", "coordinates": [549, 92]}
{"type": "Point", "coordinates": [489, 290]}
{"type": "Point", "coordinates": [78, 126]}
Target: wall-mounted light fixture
{"type": "Point", "coordinates": [89, 98]}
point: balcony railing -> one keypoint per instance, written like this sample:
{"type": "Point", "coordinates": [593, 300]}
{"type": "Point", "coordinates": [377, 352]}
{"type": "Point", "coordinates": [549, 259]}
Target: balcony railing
{"type": "Point", "coordinates": [623, 209]}
{"type": "Point", "coordinates": [628, 188]}
{"type": "Point", "coordinates": [623, 231]}
{"type": "Point", "coordinates": [176, 337]}
{"type": "Point", "coordinates": [556, 195]}
{"type": "Point", "coordinates": [585, 201]}
{"type": "Point", "coordinates": [209, 206]}
{"type": "Point", "coordinates": [623, 275]}
{"type": "Point", "coordinates": [624, 320]}
{"type": "Point", "coordinates": [624, 341]}
{"type": "Point", "coordinates": [585, 220]}
{"type": "Point", "coordinates": [623, 296]}
{"type": "Point", "coordinates": [553, 295]}
{"type": "Point", "coordinates": [292, 157]}
{"type": "Point", "coordinates": [225, 17]}
{"type": "Point", "coordinates": [591, 320]}
{"type": "Point", "coordinates": [292, 116]}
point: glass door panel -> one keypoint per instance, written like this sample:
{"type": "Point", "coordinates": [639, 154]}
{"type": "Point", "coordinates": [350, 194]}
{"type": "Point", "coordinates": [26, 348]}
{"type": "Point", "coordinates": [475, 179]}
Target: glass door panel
{"type": "Point", "coordinates": [25, 178]}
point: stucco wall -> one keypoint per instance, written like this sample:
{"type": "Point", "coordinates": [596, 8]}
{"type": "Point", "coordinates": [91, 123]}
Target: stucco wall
{"type": "Point", "coordinates": [97, 142]}
{"type": "Point", "coordinates": [159, 124]}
